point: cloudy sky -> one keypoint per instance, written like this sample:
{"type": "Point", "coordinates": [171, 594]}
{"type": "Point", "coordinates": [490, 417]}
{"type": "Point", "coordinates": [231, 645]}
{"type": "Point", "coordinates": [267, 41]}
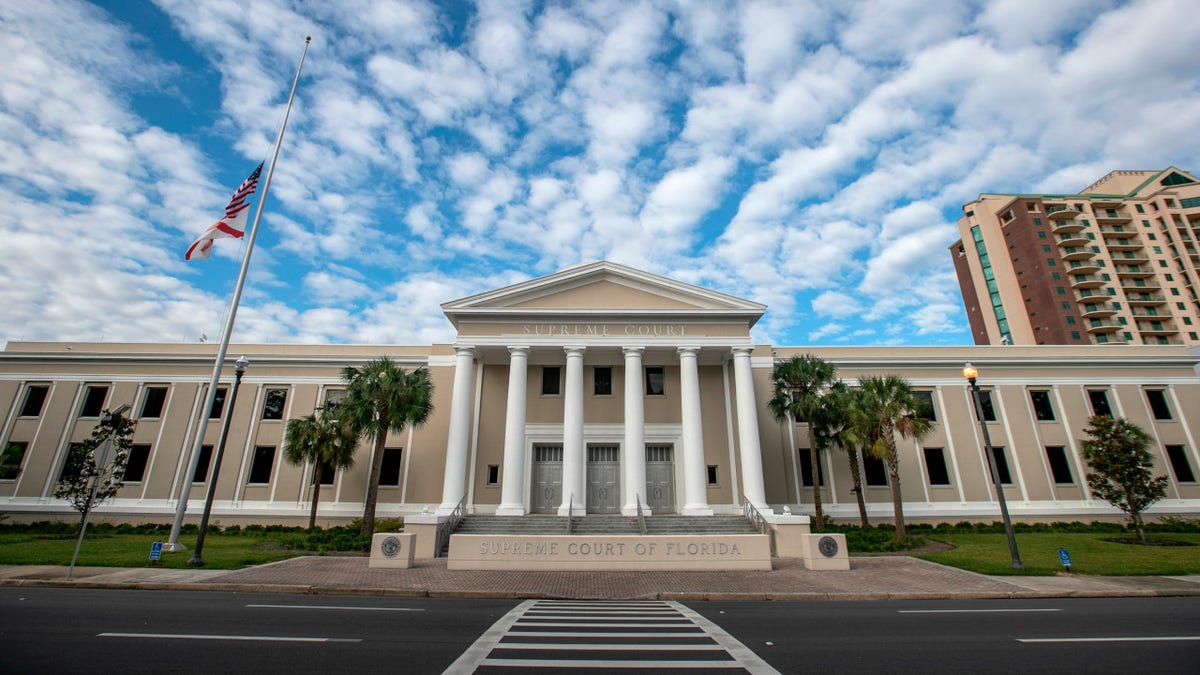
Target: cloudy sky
{"type": "Point", "coordinates": [812, 156]}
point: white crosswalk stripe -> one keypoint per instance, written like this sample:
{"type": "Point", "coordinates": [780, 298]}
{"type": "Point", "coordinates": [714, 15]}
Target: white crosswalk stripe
{"type": "Point", "coordinates": [636, 635]}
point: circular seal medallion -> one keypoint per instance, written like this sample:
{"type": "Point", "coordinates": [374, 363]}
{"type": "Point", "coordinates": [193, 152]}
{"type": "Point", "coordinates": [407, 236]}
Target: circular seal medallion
{"type": "Point", "coordinates": [390, 547]}
{"type": "Point", "coordinates": [828, 546]}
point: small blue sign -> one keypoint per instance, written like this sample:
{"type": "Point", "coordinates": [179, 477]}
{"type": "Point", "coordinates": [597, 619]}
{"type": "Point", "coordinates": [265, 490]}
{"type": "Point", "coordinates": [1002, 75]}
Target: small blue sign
{"type": "Point", "coordinates": [1064, 557]}
{"type": "Point", "coordinates": [156, 551]}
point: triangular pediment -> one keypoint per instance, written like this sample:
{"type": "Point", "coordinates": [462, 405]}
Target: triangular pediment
{"type": "Point", "coordinates": [601, 288]}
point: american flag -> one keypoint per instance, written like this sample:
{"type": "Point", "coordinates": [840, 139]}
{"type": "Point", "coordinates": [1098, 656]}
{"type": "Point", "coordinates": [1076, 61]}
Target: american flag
{"type": "Point", "coordinates": [233, 224]}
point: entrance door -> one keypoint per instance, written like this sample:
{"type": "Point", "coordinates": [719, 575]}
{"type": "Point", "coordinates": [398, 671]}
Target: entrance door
{"type": "Point", "coordinates": [546, 493]}
{"type": "Point", "coordinates": [603, 479]}
{"type": "Point", "coordinates": [660, 478]}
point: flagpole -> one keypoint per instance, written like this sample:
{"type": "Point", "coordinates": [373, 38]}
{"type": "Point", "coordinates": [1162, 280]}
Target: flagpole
{"type": "Point", "coordinates": [186, 487]}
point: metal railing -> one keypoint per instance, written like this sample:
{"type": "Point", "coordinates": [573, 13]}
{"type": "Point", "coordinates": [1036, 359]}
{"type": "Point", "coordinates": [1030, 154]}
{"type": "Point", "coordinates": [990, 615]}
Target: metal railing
{"type": "Point", "coordinates": [758, 521]}
{"type": "Point", "coordinates": [570, 511]}
{"type": "Point", "coordinates": [640, 516]}
{"type": "Point", "coordinates": [448, 526]}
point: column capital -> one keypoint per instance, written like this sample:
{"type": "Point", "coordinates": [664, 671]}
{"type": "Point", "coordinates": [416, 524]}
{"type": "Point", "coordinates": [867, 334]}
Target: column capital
{"type": "Point", "coordinates": [518, 349]}
{"type": "Point", "coordinates": [688, 351]}
{"type": "Point", "coordinates": [633, 350]}
{"type": "Point", "coordinates": [464, 350]}
{"type": "Point", "coordinates": [742, 350]}
{"type": "Point", "coordinates": [574, 350]}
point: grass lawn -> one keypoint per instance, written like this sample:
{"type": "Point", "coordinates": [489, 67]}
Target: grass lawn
{"type": "Point", "coordinates": [1090, 553]}
{"type": "Point", "coordinates": [133, 550]}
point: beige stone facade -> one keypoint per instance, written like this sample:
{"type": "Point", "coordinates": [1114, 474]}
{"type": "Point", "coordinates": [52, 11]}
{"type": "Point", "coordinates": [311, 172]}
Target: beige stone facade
{"type": "Point", "coordinates": [634, 390]}
{"type": "Point", "coordinates": [1117, 263]}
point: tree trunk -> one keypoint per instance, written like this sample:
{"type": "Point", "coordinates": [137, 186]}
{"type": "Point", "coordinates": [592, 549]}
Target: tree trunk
{"type": "Point", "coordinates": [368, 523]}
{"type": "Point", "coordinates": [312, 516]}
{"type": "Point", "coordinates": [1136, 517]}
{"type": "Point", "coordinates": [856, 475]}
{"type": "Point", "coordinates": [893, 463]}
{"type": "Point", "coordinates": [814, 471]}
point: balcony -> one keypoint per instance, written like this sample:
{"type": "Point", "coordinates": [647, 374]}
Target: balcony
{"type": "Point", "coordinates": [1145, 299]}
{"type": "Point", "coordinates": [1139, 285]}
{"type": "Point", "coordinates": [1134, 271]}
{"type": "Point", "coordinates": [1087, 281]}
{"type": "Point", "coordinates": [1062, 211]}
{"type": "Point", "coordinates": [1077, 253]}
{"type": "Point", "coordinates": [1157, 330]}
{"type": "Point", "coordinates": [1103, 326]}
{"type": "Point", "coordinates": [1083, 266]}
{"type": "Point", "coordinates": [1123, 244]}
{"type": "Point", "coordinates": [1098, 311]}
{"type": "Point", "coordinates": [1107, 202]}
{"type": "Point", "coordinates": [1117, 232]}
{"type": "Point", "coordinates": [1064, 226]}
{"type": "Point", "coordinates": [1090, 296]}
{"type": "Point", "coordinates": [1112, 216]}
{"type": "Point", "coordinates": [1191, 255]}
{"type": "Point", "coordinates": [1146, 315]}
{"type": "Point", "coordinates": [1073, 239]}
{"type": "Point", "coordinates": [1131, 259]}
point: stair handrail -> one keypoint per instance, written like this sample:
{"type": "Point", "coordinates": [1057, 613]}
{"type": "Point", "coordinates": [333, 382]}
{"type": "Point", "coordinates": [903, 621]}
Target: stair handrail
{"type": "Point", "coordinates": [640, 516]}
{"type": "Point", "coordinates": [759, 522]}
{"type": "Point", "coordinates": [449, 525]}
{"type": "Point", "coordinates": [570, 510]}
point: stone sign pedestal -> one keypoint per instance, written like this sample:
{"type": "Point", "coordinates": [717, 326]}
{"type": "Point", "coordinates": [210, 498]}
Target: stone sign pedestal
{"type": "Point", "coordinates": [424, 526]}
{"type": "Point", "coordinates": [392, 549]}
{"type": "Point", "coordinates": [826, 552]}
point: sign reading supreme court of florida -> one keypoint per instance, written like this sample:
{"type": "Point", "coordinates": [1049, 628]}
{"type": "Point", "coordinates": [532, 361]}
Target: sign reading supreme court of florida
{"type": "Point", "coordinates": [707, 552]}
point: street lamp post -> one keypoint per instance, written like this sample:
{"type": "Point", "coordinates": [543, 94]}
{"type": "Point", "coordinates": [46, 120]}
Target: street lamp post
{"type": "Point", "coordinates": [239, 368]}
{"type": "Point", "coordinates": [971, 373]}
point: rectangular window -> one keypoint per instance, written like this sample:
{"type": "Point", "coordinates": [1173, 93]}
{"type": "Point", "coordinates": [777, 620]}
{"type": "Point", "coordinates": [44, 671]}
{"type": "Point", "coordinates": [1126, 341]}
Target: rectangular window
{"type": "Point", "coordinates": [805, 459]}
{"type": "Point", "coordinates": [935, 466]}
{"type": "Point", "coordinates": [261, 465]}
{"type": "Point", "coordinates": [93, 401]}
{"type": "Point", "coordinates": [551, 377]}
{"type": "Point", "coordinates": [926, 410]}
{"type": "Point", "coordinates": [713, 476]}
{"type": "Point", "coordinates": [1099, 401]}
{"type": "Point", "coordinates": [985, 402]}
{"type": "Point", "coordinates": [1001, 465]}
{"type": "Point", "coordinates": [389, 472]}
{"type": "Point", "coordinates": [334, 396]}
{"type": "Point", "coordinates": [35, 397]}
{"type": "Point", "coordinates": [1158, 404]}
{"type": "Point", "coordinates": [328, 473]}
{"type": "Point", "coordinates": [273, 404]}
{"type": "Point", "coordinates": [874, 471]}
{"type": "Point", "coordinates": [73, 460]}
{"type": "Point", "coordinates": [218, 406]}
{"type": "Point", "coordinates": [1179, 464]}
{"type": "Point", "coordinates": [1056, 455]}
{"type": "Point", "coordinates": [493, 474]}
{"type": "Point", "coordinates": [11, 458]}
{"type": "Point", "coordinates": [655, 381]}
{"type": "Point", "coordinates": [152, 402]}
{"type": "Point", "coordinates": [602, 381]}
{"type": "Point", "coordinates": [1042, 407]}
{"type": "Point", "coordinates": [135, 467]}
{"type": "Point", "coordinates": [201, 474]}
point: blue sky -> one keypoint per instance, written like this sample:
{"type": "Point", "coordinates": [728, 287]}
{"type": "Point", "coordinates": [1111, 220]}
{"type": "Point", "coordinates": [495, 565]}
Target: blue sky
{"type": "Point", "coordinates": [811, 156]}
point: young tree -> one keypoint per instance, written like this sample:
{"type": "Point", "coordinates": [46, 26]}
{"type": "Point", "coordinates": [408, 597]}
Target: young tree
{"type": "Point", "coordinates": [844, 400]}
{"type": "Point", "coordinates": [381, 397]}
{"type": "Point", "coordinates": [1121, 466]}
{"type": "Point", "coordinates": [801, 385]}
{"type": "Point", "coordinates": [323, 440]}
{"type": "Point", "coordinates": [88, 477]}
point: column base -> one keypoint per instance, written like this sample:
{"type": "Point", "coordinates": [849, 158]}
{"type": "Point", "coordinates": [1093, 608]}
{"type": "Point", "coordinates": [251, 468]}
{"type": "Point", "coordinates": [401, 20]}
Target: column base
{"type": "Point", "coordinates": [696, 510]}
{"type": "Point", "coordinates": [511, 510]}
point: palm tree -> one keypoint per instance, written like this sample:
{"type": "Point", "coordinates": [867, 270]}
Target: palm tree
{"type": "Point", "coordinates": [801, 385]}
{"type": "Point", "coordinates": [885, 407]}
{"type": "Point", "coordinates": [842, 402]}
{"type": "Point", "coordinates": [322, 439]}
{"type": "Point", "coordinates": [381, 397]}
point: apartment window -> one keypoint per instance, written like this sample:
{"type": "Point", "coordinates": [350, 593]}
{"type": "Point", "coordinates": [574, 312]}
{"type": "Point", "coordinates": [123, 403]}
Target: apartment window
{"type": "Point", "coordinates": [713, 476]}
{"type": "Point", "coordinates": [1060, 290]}
{"type": "Point", "coordinates": [1042, 407]}
{"type": "Point", "coordinates": [1055, 276]}
{"type": "Point", "coordinates": [1041, 235]}
{"type": "Point", "coordinates": [273, 404]}
{"type": "Point", "coordinates": [1050, 262]}
{"type": "Point", "coordinates": [493, 474]}
{"type": "Point", "coordinates": [1001, 465]}
{"type": "Point", "coordinates": [551, 379]}
{"type": "Point", "coordinates": [389, 470]}
{"type": "Point", "coordinates": [985, 402]}
{"type": "Point", "coordinates": [805, 459]}
{"type": "Point", "coordinates": [1180, 466]}
{"type": "Point", "coordinates": [935, 466]}
{"type": "Point", "coordinates": [153, 401]}
{"type": "Point", "coordinates": [1099, 400]}
{"type": "Point", "coordinates": [35, 398]}
{"type": "Point", "coordinates": [11, 458]}
{"type": "Point", "coordinates": [1060, 468]}
{"type": "Point", "coordinates": [260, 466]}
{"type": "Point", "coordinates": [1140, 208]}
{"type": "Point", "coordinates": [602, 381]}
{"type": "Point", "coordinates": [135, 466]}
{"type": "Point", "coordinates": [874, 471]}
{"type": "Point", "coordinates": [1075, 335]}
{"type": "Point", "coordinates": [93, 401]}
{"type": "Point", "coordinates": [1070, 321]}
{"type": "Point", "coordinates": [1045, 248]}
{"type": "Point", "coordinates": [201, 474]}
{"type": "Point", "coordinates": [655, 381]}
{"type": "Point", "coordinates": [218, 406]}
{"type": "Point", "coordinates": [926, 410]}
{"type": "Point", "coordinates": [1157, 398]}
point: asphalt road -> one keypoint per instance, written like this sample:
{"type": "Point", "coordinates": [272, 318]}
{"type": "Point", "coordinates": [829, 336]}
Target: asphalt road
{"type": "Point", "coordinates": [56, 630]}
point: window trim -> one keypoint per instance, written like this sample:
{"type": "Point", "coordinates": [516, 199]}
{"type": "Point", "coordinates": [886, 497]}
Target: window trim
{"type": "Point", "coordinates": [557, 381]}
{"type": "Point", "coordinates": [29, 387]}
{"type": "Point", "coordinates": [254, 465]}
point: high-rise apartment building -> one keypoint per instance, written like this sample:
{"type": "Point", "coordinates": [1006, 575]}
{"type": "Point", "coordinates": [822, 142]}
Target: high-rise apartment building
{"type": "Point", "coordinates": [1116, 263]}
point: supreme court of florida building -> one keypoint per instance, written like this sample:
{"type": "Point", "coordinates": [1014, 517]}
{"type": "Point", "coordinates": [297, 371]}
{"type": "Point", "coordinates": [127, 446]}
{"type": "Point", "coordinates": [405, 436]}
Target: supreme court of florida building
{"type": "Point", "coordinates": [595, 389]}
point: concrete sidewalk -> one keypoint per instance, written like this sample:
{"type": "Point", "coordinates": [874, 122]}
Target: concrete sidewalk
{"type": "Point", "coordinates": [869, 578]}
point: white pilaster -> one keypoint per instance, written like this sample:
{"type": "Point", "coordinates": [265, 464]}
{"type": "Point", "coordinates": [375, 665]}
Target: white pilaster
{"type": "Point", "coordinates": [695, 478]}
{"type": "Point", "coordinates": [634, 460]}
{"type": "Point", "coordinates": [454, 484]}
{"type": "Point", "coordinates": [747, 421]}
{"type": "Point", "coordinates": [512, 490]}
{"type": "Point", "coordinates": [574, 463]}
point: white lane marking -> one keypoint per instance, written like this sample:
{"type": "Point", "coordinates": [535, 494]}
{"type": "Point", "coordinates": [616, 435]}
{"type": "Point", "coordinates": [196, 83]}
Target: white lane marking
{"type": "Point", "coordinates": [347, 607]}
{"type": "Point", "coordinates": [1150, 638]}
{"type": "Point", "coordinates": [971, 611]}
{"type": "Point", "coordinates": [740, 652]}
{"type": "Point", "coordinates": [241, 638]}
{"type": "Point", "coordinates": [628, 647]}
{"type": "Point", "coordinates": [477, 652]}
{"type": "Point", "coordinates": [635, 634]}
{"type": "Point", "coordinates": [612, 665]}
{"type": "Point", "coordinates": [581, 624]}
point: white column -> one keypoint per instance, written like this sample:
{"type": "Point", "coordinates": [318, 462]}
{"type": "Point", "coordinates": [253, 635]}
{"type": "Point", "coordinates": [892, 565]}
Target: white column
{"type": "Point", "coordinates": [695, 472]}
{"type": "Point", "coordinates": [574, 462]}
{"type": "Point", "coordinates": [633, 460]}
{"type": "Point", "coordinates": [512, 490]}
{"type": "Point", "coordinates": [747, 421]}
{"type": "Point", "coordinates": [454, 485]}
